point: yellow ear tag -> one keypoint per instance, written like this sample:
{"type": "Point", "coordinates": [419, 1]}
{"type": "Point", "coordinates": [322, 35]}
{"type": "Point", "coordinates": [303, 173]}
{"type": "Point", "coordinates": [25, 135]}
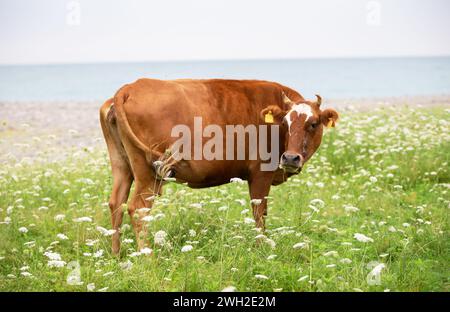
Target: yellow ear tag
{"type": "Point", "coordinates": [268, 118]}
{"type": "Point", "coordinates": [330, 123]}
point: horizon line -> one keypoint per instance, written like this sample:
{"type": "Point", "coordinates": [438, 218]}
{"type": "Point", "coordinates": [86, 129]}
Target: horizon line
{"type": "Point", "coordinates": [226, 60]}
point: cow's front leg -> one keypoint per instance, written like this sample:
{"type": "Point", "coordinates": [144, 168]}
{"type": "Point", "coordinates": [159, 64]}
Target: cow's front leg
{"type": "Point", "coordinates": [259, 185]}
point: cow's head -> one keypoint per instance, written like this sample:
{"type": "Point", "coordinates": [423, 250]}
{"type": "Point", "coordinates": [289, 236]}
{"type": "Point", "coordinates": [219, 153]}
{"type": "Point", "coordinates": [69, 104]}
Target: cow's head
{"type": "Point", "coordinates": [304, 122]}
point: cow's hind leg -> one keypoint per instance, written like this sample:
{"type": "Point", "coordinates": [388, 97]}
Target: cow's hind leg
{"type": "Point", "coordinates": [121, 173]}
{"type": "Point", "coordinates": [147, 187]}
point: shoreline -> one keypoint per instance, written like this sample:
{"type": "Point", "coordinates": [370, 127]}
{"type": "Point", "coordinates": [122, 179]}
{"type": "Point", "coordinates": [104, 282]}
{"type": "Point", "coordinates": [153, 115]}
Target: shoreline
{"type": "Point", "coordinates": [30, 128]}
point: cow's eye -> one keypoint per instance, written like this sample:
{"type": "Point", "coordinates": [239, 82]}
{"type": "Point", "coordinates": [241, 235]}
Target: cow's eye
{"type": "Point", "coordinates": [314, 125]}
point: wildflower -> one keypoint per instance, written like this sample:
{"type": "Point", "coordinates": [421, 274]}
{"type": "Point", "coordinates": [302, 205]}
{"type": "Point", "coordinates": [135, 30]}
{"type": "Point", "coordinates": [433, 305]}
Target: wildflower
{"type": "Point", "coordinates": [98, 253]}
{"type": "Point", "coordinates": [160, 238]}
{"type": "Point", "coordinates": [271, 257]}
{"type": "Point", "coordinates": [373, 179]}
{"type": "Point", "coordinates": [261, 277]}
{"type": "Point", "coordinates": [128, 241]}
{"type": "Point", "coordinates": [192, 233]}
{"type": "Point", "coordinates": [350, 208]}
{"type": "Point", "coordinates": [271, 243]}
{"type": "Point", "coordinates": [362, 238]}
{"type": "Point", "coordinates": [90, 287]}
{"type": "Point", "coordinates": [126, 265]}
{"type": "Point", "coordinates": [62, 236]}
{"type": "Point", "coordinates": [26, 274]}
{"type": "Point", "coordinates": [249, 221]}
{"type": "Point", "coordinates": [186, 248]}
{"type": "Point", "coordinates": [374, 277]}
{"type": "Point", "coordinates": [148, 218]}
{"type": "Point", "coordinates": [236, 180]}
{"type": "Point", "coordinates": [300, 245]}
{"type": "Point", "coordinates": [52, 255]}
{"type": "Point", "coordinates": [104, 231]}
{"type": "Point", "coordinates": [59, 217]}
{"type": "Point", "coordinates": [345, 261]}
{"type": "Point", "coordinates": [256, 201]}
{"type": "Point", "coordinates": [146, 251]}
{"type": "Point", "coordinates": [229, 289]}
{"type": "Point", "coordinates": [303, 278]}
{"type": "Point", "coordinates": [56, 263]}
{"type": "Point", "coordinates": [103, 289]}
{"type": "Point", "coordinates": [330, 266]}
{"type": "Point", "coordinates": [82, 219]}
{"type": "Point", "coordinates": [317, 202]}
{"type": "Point", "coordinates": [331, 253]}
{"type": "Point", "coordinates": [23, 229]}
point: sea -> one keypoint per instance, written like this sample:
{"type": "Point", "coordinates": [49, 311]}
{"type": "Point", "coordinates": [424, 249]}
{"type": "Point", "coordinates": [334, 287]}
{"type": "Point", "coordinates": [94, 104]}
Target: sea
{"type": "Point", "coordinates": [331, 78]}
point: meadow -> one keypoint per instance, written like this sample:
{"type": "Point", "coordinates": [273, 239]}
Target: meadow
{"type": "Point", "coordinates": [369, 212]}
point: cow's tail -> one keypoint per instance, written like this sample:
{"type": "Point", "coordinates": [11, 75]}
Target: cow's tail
{"type": "Point", "coordinates": [119, 99]}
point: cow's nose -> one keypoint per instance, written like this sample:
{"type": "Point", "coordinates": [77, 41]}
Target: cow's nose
{"type": "Point", "coordinates": [291, 160]}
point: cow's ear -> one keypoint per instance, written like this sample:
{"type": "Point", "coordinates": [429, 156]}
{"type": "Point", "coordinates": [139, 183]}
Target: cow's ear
{"type": "Point", "coordinates": [272, 114]}
{"type": "Point", "coordinates": [329, 117]}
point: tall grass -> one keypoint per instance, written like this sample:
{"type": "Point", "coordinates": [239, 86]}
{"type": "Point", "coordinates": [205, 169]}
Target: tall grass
{"type": "Point", "coordinates": [383, 174]}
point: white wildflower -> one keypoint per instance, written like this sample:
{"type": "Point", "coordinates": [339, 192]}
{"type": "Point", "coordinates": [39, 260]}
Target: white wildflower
{"type": "Point", "coordinates": [23, 229]}
{"type": "Point", "coordinates": [303, 278]}
{"type": "Point", "coordinates": [56, 263]}
{"type": "Point", "coordinates": [345, 261]}
{"type": "Point", "coordinates": [146, 251]}
{"type": "Point", "coordinates": [261, 277]}
{"type": "Point", "coordinates": [300, 245]}
{"type": "Point", "coordinates": [256, 201]}
{"type": "Point", "coordinates": [374, 277]}
{"type": "Point", "coordinates": [160, 238]}
{"type": "Point", "coordinates": [62, 236]}
{"type": "Point", "coordinates": [331, 253]}
{"type": "Point", "coordinates": [249, 221]}
{"type": "Point", "coordinates": [105, 232]}
{"type": "Point", "coordinates": [59, 217]}
{"type": "Point", "coordinates": [52, 255]}
{"type": "Point", "coordinates": [90, 287]}
{"type": "Point", "coordinates": [186, 248]}
{"type": "Point", "coordinates": [350, 208]}
{"type": "Point", "coordinates": [237, 180]}
{"type": "Point", "coordinates": [362, 238]}
{"type": "Point", "coordinates": [82, 219]}
{"type": "Point", "coordinates": [98, 253]}
{"type": "Point", "coordinates": [229, 289]}
{"type": "Point", "coordinates": [148, 218]}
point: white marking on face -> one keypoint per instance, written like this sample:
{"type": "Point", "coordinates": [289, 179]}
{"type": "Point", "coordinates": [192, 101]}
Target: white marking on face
{"type": "Point", "coordinates": [298, 109]}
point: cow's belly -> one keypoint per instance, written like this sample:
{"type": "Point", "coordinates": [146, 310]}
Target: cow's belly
{"type": "Point", "coordinates": [203, 173]}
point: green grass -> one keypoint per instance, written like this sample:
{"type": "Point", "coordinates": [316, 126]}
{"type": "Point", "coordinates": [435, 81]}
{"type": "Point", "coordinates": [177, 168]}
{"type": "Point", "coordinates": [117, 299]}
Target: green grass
{"type": "Point", "coordinates": [392, 165]}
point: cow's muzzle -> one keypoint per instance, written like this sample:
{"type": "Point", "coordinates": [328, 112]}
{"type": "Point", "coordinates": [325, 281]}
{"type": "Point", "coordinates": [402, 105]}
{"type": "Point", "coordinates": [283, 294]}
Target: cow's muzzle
{"type": "Point", "coordinates": [291, 162]}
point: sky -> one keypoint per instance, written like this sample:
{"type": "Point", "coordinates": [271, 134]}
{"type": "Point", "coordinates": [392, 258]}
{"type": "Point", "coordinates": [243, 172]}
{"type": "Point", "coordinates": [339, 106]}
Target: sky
{"type": "Point", "coordinates": [85, 31]}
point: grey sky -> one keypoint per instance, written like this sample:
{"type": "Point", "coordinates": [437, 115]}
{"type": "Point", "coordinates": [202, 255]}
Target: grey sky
{"type": "Point", "coordinates": [138, 30]}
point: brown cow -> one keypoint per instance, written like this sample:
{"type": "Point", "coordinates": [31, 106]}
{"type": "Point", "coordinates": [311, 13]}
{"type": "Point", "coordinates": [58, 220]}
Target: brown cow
{"type": "Point", "coordinates": [138, 123]}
